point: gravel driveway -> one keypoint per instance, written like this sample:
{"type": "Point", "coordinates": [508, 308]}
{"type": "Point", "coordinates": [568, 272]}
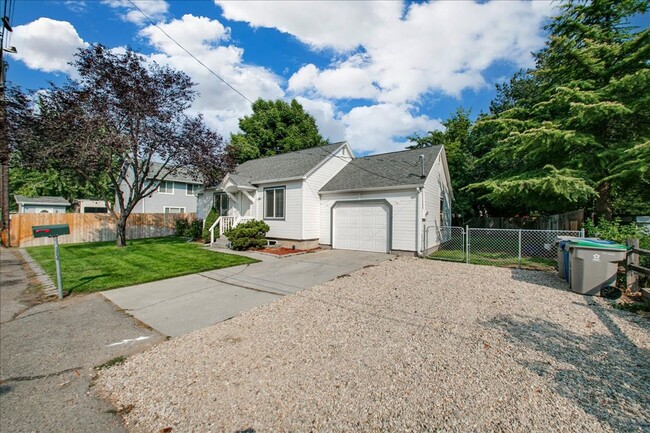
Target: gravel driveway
{"type": "Point", "coordinates": [408, 345]}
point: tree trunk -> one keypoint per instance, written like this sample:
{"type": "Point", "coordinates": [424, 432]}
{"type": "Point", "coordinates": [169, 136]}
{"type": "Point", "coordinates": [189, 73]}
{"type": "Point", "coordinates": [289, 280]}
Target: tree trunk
{"type": "Point", "coordinates": [120, 227]}
{"type": "Point", "coordinates": [604, 201]}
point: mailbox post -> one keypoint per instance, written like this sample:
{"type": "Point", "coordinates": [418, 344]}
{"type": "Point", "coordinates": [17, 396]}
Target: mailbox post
{"type": "Point", "coordinates": [54, 231]}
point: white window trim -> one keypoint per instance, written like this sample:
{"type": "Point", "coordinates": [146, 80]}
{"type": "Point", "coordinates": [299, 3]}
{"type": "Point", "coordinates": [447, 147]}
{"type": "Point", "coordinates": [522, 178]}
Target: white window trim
{"type": "Point", "coordinates": [183, 209]}
{"type": "Point", "coordinates": [284, 203]}
{"type": "Point", "coordinates": [168, 193]}
{"type": "Point", "coordinates": [194, 186]}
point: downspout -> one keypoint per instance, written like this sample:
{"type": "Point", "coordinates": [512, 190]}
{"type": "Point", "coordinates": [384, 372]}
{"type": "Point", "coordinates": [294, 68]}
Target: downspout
{"type": "Point", "coordinates": [418, 240]}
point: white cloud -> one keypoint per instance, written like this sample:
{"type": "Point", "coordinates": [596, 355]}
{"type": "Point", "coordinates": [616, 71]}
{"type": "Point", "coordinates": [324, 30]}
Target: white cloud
{"type": "Point", "coordinates": [205, 38]}
{"type": "Point", "coordinates": [321, 24]}
{"type": "Point", "coordinates": [46, 44]}
{"type": "Point", "coordinates": [199, 35]}
{"type": "Point", "coordinates": [328, 120]}
{"type": "Point", "coordinates": [156, 10]}
{"type": "Point", "coordinates": [429, 47]}
{"type": "Point", "coordinates": [382, 127]}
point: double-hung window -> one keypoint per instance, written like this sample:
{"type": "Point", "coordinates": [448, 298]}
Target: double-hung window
{"type": "Point", "coordinates": [166, 187]}
{"type": "Point", "coordinates": [191, 189]}
{"type": "Point", "coordinates": [274, 202]}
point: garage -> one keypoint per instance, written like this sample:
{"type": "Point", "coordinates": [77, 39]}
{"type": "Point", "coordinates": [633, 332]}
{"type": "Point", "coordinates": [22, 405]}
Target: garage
{"type": "Point", "coordinates": [362, 226]}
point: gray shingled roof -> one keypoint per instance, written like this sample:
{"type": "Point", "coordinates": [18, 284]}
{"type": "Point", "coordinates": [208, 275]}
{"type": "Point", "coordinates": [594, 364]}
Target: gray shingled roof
{"type": "Point", "coordinates": [283, 166]}
{"type": "Point", "coordinates": [384, 170]}
{"type": "Point", "coordinates": [182, 175]}
{"type": "Point", "coordinates": [58, 201]}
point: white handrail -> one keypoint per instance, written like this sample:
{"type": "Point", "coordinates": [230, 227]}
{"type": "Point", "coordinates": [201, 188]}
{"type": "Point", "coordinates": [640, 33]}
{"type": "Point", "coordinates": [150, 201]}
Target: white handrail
{"type": "Point", "coordinates": [226, 223]}
{"type": "Point", "coordinates": [218, 221]}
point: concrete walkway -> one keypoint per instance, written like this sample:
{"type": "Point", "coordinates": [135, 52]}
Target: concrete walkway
{"type": "Point", "coordinates": [181, 305]}
{"type": "Point", "coordinates": [48, 352]}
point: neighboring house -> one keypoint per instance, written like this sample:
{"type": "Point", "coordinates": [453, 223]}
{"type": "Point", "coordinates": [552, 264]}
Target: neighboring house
{"type": "Point", "coordinates": [85, 205]}
{"type": "Point", "coordinates": [325, 196]}
{"type": "Point", "coordinates": [176, 194]}
{"type": "Point", "coordinates": [41, 204]}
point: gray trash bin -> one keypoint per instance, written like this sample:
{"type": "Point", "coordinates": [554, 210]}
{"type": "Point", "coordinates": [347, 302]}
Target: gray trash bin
{"type": "Point", "coordinates": [562, 247]}
{"type": "Point", "coordinates": [594, 264]}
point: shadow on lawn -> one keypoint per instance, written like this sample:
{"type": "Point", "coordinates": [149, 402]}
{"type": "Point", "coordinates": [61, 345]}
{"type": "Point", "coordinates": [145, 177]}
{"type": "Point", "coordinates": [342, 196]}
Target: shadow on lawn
{"type": "Point", "coordinates": [608, 377]}
{"type": "Point", "coordinates": [85, 282]}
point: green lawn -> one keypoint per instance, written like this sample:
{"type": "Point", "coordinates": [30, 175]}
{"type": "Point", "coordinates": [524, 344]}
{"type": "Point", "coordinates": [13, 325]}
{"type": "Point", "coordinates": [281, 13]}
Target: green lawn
{"type": "Point", "coordinates": [90, 267]}
{"type": "Point", "coordinates": [495, 259]}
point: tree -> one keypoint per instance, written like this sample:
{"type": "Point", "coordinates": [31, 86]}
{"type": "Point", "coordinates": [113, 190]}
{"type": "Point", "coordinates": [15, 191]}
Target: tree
{"type": "Point", "coordinates": [49, 182]}
{"type": "Point", "coordinates": [120, 116]}
{"type": "Point", "coordinates": [456, 139]}
{"type": "Point", "coordinates": [274, 127]}
{"type": "Point", "coordinates": [581, 133]}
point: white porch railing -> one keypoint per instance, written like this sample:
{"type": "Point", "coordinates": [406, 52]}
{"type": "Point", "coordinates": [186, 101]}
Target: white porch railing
{"type": "Point", "coordinates": [226, 223]}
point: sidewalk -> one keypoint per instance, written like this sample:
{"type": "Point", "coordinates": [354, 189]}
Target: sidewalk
{"type": "Point", "coordinates": [48, 355]}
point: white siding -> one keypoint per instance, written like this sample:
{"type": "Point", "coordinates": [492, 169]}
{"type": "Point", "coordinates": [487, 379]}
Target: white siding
{"type": "Point", "coordinates": [403, 215]}
{"type": "Point", "coordinates": [291, 226]}
{"type": "Point", "coordinates": [313, 183]}
{"type": "Point", "coordinates": [435, 188]}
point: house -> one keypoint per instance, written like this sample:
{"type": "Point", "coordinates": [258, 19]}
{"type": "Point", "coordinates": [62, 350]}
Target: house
{"type": "Point", "coordinates": [175, 194]}
{"type": "Point", "coordinates": [41, 204]}
{"type": "Point", "coordinates": [84, 205]}
{"type": "Point", "coordinates": [326, 196]}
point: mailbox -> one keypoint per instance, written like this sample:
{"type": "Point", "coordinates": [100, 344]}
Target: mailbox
{"type": "Point", "coordinates": [51, 230]}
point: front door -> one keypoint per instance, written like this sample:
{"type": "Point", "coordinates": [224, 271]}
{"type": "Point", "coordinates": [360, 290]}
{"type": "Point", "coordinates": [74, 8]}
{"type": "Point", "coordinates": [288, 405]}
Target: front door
{"type": "Point", "coordinates": [221, 203]}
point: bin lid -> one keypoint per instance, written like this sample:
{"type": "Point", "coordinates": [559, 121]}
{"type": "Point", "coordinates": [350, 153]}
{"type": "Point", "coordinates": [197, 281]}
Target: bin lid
{"type": "Point", "coordinates": [599, 244]}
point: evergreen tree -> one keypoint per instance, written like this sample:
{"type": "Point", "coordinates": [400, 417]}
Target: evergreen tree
{"type": "Point", "coordinates": [583, 132]}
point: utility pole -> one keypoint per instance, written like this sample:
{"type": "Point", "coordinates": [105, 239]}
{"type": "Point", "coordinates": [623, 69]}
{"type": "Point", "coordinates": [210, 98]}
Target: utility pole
{"type": "Point", "coordinates": [5, 233]}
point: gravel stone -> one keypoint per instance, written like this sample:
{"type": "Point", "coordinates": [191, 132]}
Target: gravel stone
{"type": "Point", "coordinates": [409, 345]}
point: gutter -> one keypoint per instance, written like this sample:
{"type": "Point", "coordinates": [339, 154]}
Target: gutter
{"type": "Point", "coordinates": [418, 237]}
{"type": "Point", "coordinates": [376, 188]}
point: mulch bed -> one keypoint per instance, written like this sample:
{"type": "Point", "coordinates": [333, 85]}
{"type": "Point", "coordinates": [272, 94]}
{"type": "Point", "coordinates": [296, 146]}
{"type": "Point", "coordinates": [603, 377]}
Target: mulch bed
{"type": "Point", "coordinates": [282, 251]}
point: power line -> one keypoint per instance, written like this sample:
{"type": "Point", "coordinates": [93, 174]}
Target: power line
{"type": "Point", "coordinates": [188, 52]}
{"type": "Point", "coordinates": [244, 96]}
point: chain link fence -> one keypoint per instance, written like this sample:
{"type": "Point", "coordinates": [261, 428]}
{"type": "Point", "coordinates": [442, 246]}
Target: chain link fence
{"type": "Point", "coordinates": [527, 249]}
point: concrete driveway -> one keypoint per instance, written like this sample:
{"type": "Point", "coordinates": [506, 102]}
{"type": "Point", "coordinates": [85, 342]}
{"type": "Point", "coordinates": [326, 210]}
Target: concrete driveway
{"type": "Point", "coordinates": [177, 306]}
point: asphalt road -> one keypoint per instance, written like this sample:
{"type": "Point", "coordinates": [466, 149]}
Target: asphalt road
{"type": "Point", "coordinates": [48, 355]}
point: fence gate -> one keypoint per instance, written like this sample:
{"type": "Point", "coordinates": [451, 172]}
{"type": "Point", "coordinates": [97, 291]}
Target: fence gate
{"type": "Point", "coordinates": [530, 249]}
{"type": "Point", "coordinates": [448, 242]}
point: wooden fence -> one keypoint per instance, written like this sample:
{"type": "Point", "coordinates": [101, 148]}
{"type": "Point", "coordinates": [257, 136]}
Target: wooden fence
{"type": "Point", "coordinates": [91, 227]}
{"type": "Point", "coordinates": [566, 221]}
{"type": "Point", "coordinates": [633, 265]}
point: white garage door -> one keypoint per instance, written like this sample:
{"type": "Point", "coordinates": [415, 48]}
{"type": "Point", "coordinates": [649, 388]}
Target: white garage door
{"type": "Point", "coordinates": [361, 226]}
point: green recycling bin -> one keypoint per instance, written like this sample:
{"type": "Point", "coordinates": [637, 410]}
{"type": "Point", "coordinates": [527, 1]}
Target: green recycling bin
{"type": "Point", "coordinates": [594, 264]}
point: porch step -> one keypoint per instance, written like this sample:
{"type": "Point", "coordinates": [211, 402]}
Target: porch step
{"type": "Point", "coordinates": [221, 242]}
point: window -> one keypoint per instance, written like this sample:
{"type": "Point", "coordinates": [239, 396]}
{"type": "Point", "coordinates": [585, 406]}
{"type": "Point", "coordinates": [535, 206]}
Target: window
{"type": "Point", "coordinates": [274, 202]}
{"type": "Point", "coordinates": [171, 209]}
{"type": "Point", "coordinates": [442, 211]}
{"type": "Point", "coordinates": [166, 187]}
{"type": "Point", "coordinates": [191, 189]}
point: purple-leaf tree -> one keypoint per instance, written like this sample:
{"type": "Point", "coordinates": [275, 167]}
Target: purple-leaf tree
{"type": "Point", "coordinates": [121, 115]}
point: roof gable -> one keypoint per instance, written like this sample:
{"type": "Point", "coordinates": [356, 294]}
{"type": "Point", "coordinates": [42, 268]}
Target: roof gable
{"type": "Point", "coordinates": [384, 170]}
{"type": "Point", "coordinates": [283, 166]}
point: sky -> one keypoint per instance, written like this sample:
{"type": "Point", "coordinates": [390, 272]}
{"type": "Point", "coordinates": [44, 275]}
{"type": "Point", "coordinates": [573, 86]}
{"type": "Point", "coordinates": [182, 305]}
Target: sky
{"type": "Point", "coordinates": [371, 73]}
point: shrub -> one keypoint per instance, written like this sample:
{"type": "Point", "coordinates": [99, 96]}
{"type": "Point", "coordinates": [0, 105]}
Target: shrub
{"type": "Point", "coordinates": [613, 230]}
{"type": "Point", "coordinates": [189, 229]}
{"type": "Point", "coordinates": [250, 234]}
{"type": "Point", "coordinates": [182, 224]}
{"type": "Point", "coordinates": [195, 230]}
{"type": "Point", "coordinates": [213, 215]}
